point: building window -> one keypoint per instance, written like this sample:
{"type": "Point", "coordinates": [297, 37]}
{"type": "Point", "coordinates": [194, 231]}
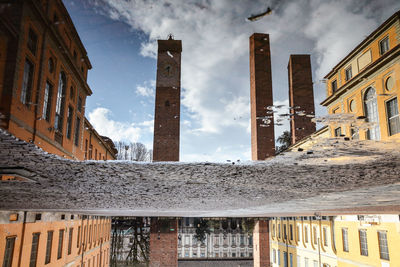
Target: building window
{"type": "Point", "coordinates": [273, 230]}
{"type": "Point", "coordinates": [26, 91]}
{"type": "Point", "coordinates": [315, 263]}
{"type": "Point", "coordinates": [334, 86]}
{"type": "Point", "coordinates": [325, 232]}
{"type": "Point", "coordinates": [241, 240]}
{"type": "Point", "coordinates": [274, 255]}
{"type": "Point", "coordinates": [79, 104]}
{"type": "Point", "coordinates": [95, 153]}
{"type": "Point", "coordinates": [79, 237]}
{"type": "Point", "coordinates": [345, 239]}
{"type": "Point", "coordinates": [71, 234]}
{"type": "Point", "coordinates": [284, 232]}
{"type": "Point", "coordinates": [48, 94]}
{"type": "Point", "coordinates": [298, 233]}
{"type": "Point", "coordinates": [291, 232]}
{"type": "Point", "coordinates": [9, 251]}
{"type": "Point", "coordinates": [60, 243]}
{"type": "Point", "coordinates": [363, 242]}
{"type": "Point", "coordinates": [306, 234]}
{"type": "Point", "coordinates": [383, 245]}
{"type": "Point", "coordinates": [60, 102]}
{"type": "Point", "coordinates": [69, 121]}
{"type": "Point", "coordinates": [384, 45]}
{"type": "Point", "coordinates": [298, 261]}
{"type": "Point", "coordinates": [77, 131]}
{"type": "Point", "coordinates": [48, 247]}
{"type": "Point", "coordinates": [86, 149]}
{"type": "Point", "coordinates": [50, 65]}
{"type": "Point", "coordinates": [392, 110]}
{"type": "Point", "coordinates": [279, 231]}
{"type": "Point", "coordinates": [32, 41]}
{"type": "Point", "coordinates": [290, 259]}
{"type": "Point", "coordinates": [354, 134]}
{"type": "Point", "coordinates": [279, 257]}
{"type": "Point", "coordinates": [305, 262]}
{"type": "Point", "coordinates": [34, 249]}
{"type": "Point", "coordinates": [371, 112]}
{"type": "Point", "coordinates": [338, 131]}
{"type": "Point", "coordinates": [285, 259]}
{"type": "Point", "coordinates": [348, 73]}
{"type": "Point", "coordinates": [315, 235]}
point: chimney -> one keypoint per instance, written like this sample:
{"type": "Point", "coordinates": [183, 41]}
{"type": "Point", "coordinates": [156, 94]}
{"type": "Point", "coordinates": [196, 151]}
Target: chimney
{"type": "Point", "coordinates": [262, 135]}
{"type": "Point", "coordinates": [301, 97]}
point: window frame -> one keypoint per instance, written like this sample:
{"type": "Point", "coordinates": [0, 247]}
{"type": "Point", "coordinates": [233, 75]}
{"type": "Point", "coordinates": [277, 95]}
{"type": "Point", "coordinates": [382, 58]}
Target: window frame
{"type": "Point", "coordinates": [348, 73]}
{"type": "Point", "coordinates": [381, 245]}
{"type": "Point", "coordinates": [27, 82]}
{"type": "Point", "coordinates": [60, 243]}
{"type": "Point", "coordinates": [9, 251]}
{"type": "Point", "coordinates": [34, 250]}
{"type": "Point", "coordinates": [49, 245]}
{"type": "Point", "coordinates": [334, 86]}
{"type": "Point", "coordinates": [384, 39]}
{"type": "Point", "coordinates": [47, 101]}
{"type": "Point", "coordinates": [345, 239]}
{"type": "Point", "coordinates": [363, 240]}
{"type": "Point", "coordinates": [395, 117]}
{"type": "Point", "coordinates": [70, 121]}
{"type": "Point", "coordinates": [32, 46]}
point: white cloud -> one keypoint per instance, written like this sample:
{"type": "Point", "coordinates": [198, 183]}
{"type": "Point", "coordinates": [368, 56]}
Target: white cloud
{"type": "Point", "coordinates": [215, 38]}
{"type": "Point", "coordinates": [147, 89]}
{"type": "Point", "coordinates": [101, 120]}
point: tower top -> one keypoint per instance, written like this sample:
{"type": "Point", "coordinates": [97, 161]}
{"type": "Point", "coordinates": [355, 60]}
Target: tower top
{"type": "Point", "coordinates": [169, 45]}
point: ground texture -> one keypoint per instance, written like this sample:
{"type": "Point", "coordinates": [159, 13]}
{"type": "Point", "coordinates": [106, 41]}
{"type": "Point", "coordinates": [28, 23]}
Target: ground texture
{"type": "Point", "coordinates": [337, 175]}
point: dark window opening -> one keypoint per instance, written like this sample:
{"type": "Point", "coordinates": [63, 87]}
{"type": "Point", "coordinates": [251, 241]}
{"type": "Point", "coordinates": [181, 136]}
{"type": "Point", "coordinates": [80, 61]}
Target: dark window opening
{"type": "Point", "coordinates": [34, 250]}
{"type": "Point", "coordinates": [9, 251]}
{"type": "Point", "coordinates": [32, 41]}
{"type": "Point", "coordinates": [27, 83]}
{"type": "Point", "coordinates": [48, 246]}
{"type": "Point", "coordinates": [48, 95]}
{"type": "Point", "coordinates": [60, 243]}
{"type": "Point", "coordinates": [77, 131]}
{"type": "Point", "coordinates": [69, 121]}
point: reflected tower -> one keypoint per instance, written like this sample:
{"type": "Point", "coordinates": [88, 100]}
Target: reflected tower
{"type": "Point", "coordinates": [167, 104]}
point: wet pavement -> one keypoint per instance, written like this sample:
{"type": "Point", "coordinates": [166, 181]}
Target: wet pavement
{"type": "Point", "coordinates": [336, 175]}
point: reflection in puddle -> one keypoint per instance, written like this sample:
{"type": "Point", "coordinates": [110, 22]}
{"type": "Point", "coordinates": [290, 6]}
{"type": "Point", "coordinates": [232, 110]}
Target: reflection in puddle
{"type": "Point", "coordinates": [64, 239]}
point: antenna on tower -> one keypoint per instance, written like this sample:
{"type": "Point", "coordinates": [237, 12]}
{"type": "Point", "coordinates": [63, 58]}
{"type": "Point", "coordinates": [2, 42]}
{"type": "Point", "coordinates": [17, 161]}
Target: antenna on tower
{"type": "Point", "coordinates": [170, 36]}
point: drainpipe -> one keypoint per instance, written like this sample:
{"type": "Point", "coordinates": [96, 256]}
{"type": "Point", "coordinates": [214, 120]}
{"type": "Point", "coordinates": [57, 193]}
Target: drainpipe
{"type": "Point", "coordinates": [22, 239]}
{"type": "Point", "coordinates": [82, 244]}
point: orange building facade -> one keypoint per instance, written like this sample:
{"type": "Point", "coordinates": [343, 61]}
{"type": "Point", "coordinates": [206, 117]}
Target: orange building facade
{"type": "Point", "coordinates": [53, 239]}
{"type": "Point", "coordinates": [43, 90]}
{"type": "Point", "coordinates": [43, 78]}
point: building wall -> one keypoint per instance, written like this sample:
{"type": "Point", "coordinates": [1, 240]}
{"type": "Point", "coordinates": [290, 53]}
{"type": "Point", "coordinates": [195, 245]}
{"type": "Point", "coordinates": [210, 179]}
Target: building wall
{"type": "Point", "coordinates": [372, 224]}
{"type": "Point", "coordinates": [367, 71]}
{"type": "Point", "coordinates": [228, 243]}
{"type": "Point", "coordinates": [296, 238]}
{"type": "Point", "coordinates": [94, 146]}
{"type": "Point", "coordinates": [90, 238]}
{"type": "Point", "coordinates": [56, 49]}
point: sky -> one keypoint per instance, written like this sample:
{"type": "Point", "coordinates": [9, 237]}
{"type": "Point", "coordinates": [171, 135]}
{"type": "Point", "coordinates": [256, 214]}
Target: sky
{"type": "Point", "coordinates": [121, 40]}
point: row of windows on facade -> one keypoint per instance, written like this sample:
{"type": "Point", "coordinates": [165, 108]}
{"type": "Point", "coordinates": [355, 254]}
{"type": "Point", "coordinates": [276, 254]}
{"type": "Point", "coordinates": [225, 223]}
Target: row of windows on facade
{"type": "Point", "coordinates": [10, 242]}
{"type": "Point", "coordinates": [325, 238]}
{"type": "Point", "coordinates": [202, 254]}
{"type": "Point", "coordinates": [89, 152]}
{"type": "Point", "coordinates": [221, 240]}
{"type": "Point", "coordinates": [32, 44]}
{"type": "Point", "coordinates": [363, 242]}
{"type": "Point", "coordinates": [372, 115]}
{"type": "Point", "coordinates": [26, 95]}
{"type": "Point", "coordinates": [383, 48]}
{"type": "Point", "coordinates": [276, 258]}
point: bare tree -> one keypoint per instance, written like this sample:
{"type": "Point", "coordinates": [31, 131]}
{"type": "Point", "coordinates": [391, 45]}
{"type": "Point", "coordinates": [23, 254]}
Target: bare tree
{"type": "Point", "coordinates": [133, 151]}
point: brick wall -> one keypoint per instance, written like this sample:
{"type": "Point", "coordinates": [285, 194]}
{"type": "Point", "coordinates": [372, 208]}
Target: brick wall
{"type": "Point", "coordinates": [167, 105]}
{"type": "Point", "coordinates": [300, 96]}
{"type": "Point", "coordinates": [261, 244]}
{"type": "Point", "coordinates": [262, 138]}
{"type": "Point", "coordinates": [163, 242]}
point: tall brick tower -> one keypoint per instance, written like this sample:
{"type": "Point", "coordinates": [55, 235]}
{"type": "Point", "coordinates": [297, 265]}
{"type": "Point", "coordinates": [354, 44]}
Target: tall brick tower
{"type": "Point", "coordinates": [262, 138]}
{"type": "Point", "coordinates": [301, 97]}
{"type": "Point", "coordinates": [167, 106]}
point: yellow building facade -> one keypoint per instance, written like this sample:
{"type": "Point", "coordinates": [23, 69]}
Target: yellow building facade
{"type": "Point", "coordinates": [302, 241]}
{"type": "Point", "coordinates": [368, 240]}
{"type": "Point", "coordinates": [366, 83]}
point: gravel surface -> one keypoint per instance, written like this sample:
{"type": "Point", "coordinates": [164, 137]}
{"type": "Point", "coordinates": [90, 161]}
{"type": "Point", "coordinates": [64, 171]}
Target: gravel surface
{"type": "Point", "coordinates": [337, 174]}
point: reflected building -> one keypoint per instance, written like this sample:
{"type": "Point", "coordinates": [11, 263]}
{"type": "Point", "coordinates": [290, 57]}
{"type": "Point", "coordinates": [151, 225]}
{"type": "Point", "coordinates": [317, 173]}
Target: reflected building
{"type": "Point", "coordinates": [226, 240]}
{"type": "Point", "coordinates": [53, 239]}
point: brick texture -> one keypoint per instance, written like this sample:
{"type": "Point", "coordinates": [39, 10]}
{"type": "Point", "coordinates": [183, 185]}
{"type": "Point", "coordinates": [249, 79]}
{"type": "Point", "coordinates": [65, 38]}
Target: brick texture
{"type": "Point", "coordinates": [262, 138]}
{"type": "Point", "coordinates": [167, 105]}
{"type": "Point", "coordinates": [300, 96]}
{"type": "Point", "coordinates": [163, 243]}
{"type": "Point", "coordinates": [261, 244]}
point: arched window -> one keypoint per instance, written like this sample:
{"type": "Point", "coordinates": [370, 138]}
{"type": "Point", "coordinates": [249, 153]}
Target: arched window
{"type": "Point", "coordinates": [371, 112]}
{"type": "Point", "coordinates": [60, 102]}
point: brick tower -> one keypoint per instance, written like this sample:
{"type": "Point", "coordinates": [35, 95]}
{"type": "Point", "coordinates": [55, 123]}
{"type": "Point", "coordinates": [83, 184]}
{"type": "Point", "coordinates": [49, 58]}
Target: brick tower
{"type": "Point", "coordinates": [167, 106]}
{"type": "Point", "coordinates": [262, 138]}
{"type": "Point", "coordinates": [301, 97]}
